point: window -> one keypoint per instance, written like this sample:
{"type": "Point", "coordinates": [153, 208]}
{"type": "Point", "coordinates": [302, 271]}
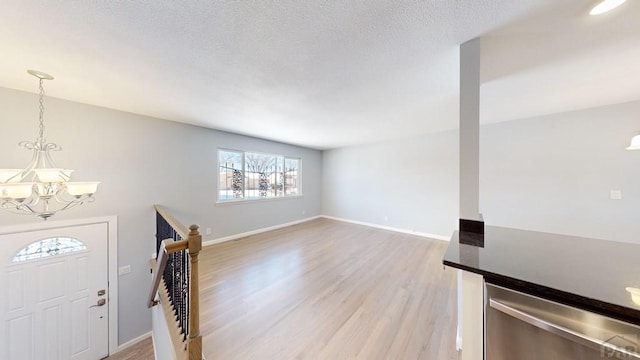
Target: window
{"type": "Point", "coordinates": [49, 247]}
{"type": "Point", "coordinates": [248, 176]}
{"type": "Point", "coordinates": [291, 176]}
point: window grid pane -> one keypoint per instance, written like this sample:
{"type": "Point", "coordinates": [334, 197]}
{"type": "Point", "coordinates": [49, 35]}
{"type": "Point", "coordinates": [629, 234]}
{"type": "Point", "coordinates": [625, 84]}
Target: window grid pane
{"type": "Point", "coordinates": [49, 247]}
{"type": "Point", "coordinates": [291, 176]}
{"type": "Point", "coordinates": [259, 171]}
{"type": "Point", "coordinates": [231, 177]}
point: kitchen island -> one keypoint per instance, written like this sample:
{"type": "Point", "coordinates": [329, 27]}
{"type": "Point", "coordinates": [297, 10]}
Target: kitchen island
{"type": "Point", "coordinates": [587, 273]}
{"type": "Point", "coordinates": [583, 273]}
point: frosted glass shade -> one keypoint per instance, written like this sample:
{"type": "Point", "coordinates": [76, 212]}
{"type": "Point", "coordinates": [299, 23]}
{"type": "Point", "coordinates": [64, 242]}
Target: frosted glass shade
{"type": "Point", "coordinates": [16, 191]}
{"type": "Point", "coordinates": [10, 175]}
{"type": "Point", "coordinates": [635, 143]}
{"type": "Point", "coordinates": [53, 175]}
{"type": "Point", "coordinates": [82, 188]}
{"type": "Point", "coordinates": [48, 175]}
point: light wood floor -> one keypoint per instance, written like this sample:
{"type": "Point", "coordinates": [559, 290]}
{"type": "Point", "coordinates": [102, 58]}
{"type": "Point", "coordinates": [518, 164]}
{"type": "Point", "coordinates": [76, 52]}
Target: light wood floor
{"type": "Point", "coordinates": [326, 290]}
{"type": "Point", "coordinates": [140, 351]}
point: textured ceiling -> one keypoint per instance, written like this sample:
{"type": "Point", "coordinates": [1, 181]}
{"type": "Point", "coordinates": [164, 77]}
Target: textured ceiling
{"type": "Point", "coordinates": [322, 74]}
{"type": "Point", "coordinates": [561, 60]}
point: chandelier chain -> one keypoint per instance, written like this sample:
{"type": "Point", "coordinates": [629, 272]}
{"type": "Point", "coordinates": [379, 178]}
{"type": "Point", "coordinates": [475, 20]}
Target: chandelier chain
{"type": "Point", "coordinates": [41, 118]}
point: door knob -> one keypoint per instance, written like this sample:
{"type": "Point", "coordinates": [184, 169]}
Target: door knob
{"type": "Point", "coordinates": [100, 302]}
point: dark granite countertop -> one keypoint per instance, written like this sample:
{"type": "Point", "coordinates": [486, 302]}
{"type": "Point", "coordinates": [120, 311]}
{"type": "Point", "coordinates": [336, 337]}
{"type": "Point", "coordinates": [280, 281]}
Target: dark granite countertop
{"type": "Point", "coordinates": [586, 273]}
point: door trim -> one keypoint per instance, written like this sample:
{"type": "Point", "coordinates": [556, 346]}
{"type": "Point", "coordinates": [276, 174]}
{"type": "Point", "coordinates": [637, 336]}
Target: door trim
{"type": "Point", "coordinates": [112, 260]}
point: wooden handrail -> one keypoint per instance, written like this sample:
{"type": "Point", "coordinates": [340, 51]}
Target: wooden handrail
{"type": "Point", "coordinates": [167, 247]}
{"type": "Point", "coordinates": [175, 224]}
{"type": "Point", "coordinates": [192, 243]}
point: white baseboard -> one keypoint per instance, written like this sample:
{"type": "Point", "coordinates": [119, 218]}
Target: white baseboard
{"type": "Point", "coordinates": [257, 231]}
{"type": "Point", "coordinates": [275, 227]}
{"type": "Point", "coordinates": [132, 342]}
{"type": "Point", "coordinates": [383, 227]}
{"type": "Point", "coordinates": [153, 342]}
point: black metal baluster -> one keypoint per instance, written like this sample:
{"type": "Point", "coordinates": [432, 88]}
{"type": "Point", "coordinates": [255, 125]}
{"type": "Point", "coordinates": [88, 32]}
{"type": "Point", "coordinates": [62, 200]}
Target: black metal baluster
{"type": "Point", "coordinates": [176, 274]}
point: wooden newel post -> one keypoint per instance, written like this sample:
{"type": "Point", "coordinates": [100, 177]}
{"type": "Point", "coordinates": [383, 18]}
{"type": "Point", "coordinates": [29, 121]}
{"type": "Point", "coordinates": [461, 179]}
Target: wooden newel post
{"type": "Point", "coordinates": [194, 341]}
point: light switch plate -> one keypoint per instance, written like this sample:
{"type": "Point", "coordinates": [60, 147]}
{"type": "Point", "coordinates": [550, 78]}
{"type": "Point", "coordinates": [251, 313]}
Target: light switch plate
{"type": "Point", "coordinates": [615, 195]}
{"type": "Point", "coordinates": [124, 270]}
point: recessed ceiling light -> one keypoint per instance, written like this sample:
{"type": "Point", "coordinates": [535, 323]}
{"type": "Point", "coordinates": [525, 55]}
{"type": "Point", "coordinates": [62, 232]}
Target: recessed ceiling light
{"type": "Point", "coordinates": [605, 5]}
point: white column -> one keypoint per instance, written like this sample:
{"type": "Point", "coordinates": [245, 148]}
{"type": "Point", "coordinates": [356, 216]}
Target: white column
{"type": "Point", "coordinates": [470, 129]}
{"type": "Point", "coordinates": [470, 286]}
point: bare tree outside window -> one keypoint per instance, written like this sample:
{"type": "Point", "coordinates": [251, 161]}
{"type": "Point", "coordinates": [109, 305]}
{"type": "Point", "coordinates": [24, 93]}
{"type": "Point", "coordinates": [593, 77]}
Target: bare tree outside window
{"type": "Point", "coordinates": [245, 175]}
{"type": "Point", "coordinates": [231, 176]}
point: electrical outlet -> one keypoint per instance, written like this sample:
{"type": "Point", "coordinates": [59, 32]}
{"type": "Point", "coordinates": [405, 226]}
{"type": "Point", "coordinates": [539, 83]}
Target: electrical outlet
{"type": "Point", "coordinates": [615, 195]}
{"type": "Point", "coordinates": [207, 231]}
{"type": "Point", "coordinates": [304, 212]}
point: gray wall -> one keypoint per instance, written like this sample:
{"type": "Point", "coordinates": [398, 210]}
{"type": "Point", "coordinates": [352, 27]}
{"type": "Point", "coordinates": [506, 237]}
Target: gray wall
{"type": "Point", "coordinates": [550, 173]}
{"type": "Point", "coordinates": [143, 161]}
{"type": "Point", "coordinates": [413, 182]}
{"type": "Point", "coordinates": [554, 173]}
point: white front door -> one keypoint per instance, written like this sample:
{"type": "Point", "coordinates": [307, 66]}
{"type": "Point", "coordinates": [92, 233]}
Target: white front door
{"type": "Point", "coordinates": [54, 293]}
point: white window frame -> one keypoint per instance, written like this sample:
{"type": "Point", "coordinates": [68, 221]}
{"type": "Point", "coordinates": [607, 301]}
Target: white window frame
{"type": "Point", "coordinates": [244, 198]}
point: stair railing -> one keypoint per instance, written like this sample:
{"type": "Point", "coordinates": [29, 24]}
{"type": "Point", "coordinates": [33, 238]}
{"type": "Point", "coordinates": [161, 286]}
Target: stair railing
{"type": "Point", "coordinates": [175, 283]}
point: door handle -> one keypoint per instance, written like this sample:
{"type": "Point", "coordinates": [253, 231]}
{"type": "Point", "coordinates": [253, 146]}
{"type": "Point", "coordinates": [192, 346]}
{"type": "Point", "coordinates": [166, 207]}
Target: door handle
{"type": "Point", "coordinates": [100, 302]}
{"type": "Point", "coordinates": [562, 331]}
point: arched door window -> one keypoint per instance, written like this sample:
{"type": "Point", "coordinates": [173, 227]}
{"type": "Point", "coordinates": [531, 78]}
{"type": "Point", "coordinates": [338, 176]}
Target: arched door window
{"type": "Point", "coordinates": [49, 247]}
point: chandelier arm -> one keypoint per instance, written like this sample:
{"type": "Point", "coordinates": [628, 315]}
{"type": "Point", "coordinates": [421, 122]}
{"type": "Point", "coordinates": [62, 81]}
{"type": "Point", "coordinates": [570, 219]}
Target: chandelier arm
{"type": "Point", "coordinates": [28, 170]}
{"type": "Point", "coordinates": [27, 145]}
{"type": "Point", "coordinates": [25, 208]}
{"type": "Point", "coordinates": [62, 196]}
{"type": "Point", "coordinates": [34, 200]}
{"type": "Point", "coordinates": [59, 197]}
{"type": "Point", "coordinates": [79, 201]}
{"type": "Point", "coordinates": [19, 212]}
{"type": "Point", "coordinates": [17, 207]}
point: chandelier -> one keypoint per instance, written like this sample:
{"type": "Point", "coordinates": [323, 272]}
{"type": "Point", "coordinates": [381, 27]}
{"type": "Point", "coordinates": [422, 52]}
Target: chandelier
{"type": "Point", "coordinates": [42, 188]}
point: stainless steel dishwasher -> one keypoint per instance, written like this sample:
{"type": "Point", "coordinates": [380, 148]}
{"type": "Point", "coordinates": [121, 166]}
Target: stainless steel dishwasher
{"type": "Point", "coordinates": [523, 327]}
